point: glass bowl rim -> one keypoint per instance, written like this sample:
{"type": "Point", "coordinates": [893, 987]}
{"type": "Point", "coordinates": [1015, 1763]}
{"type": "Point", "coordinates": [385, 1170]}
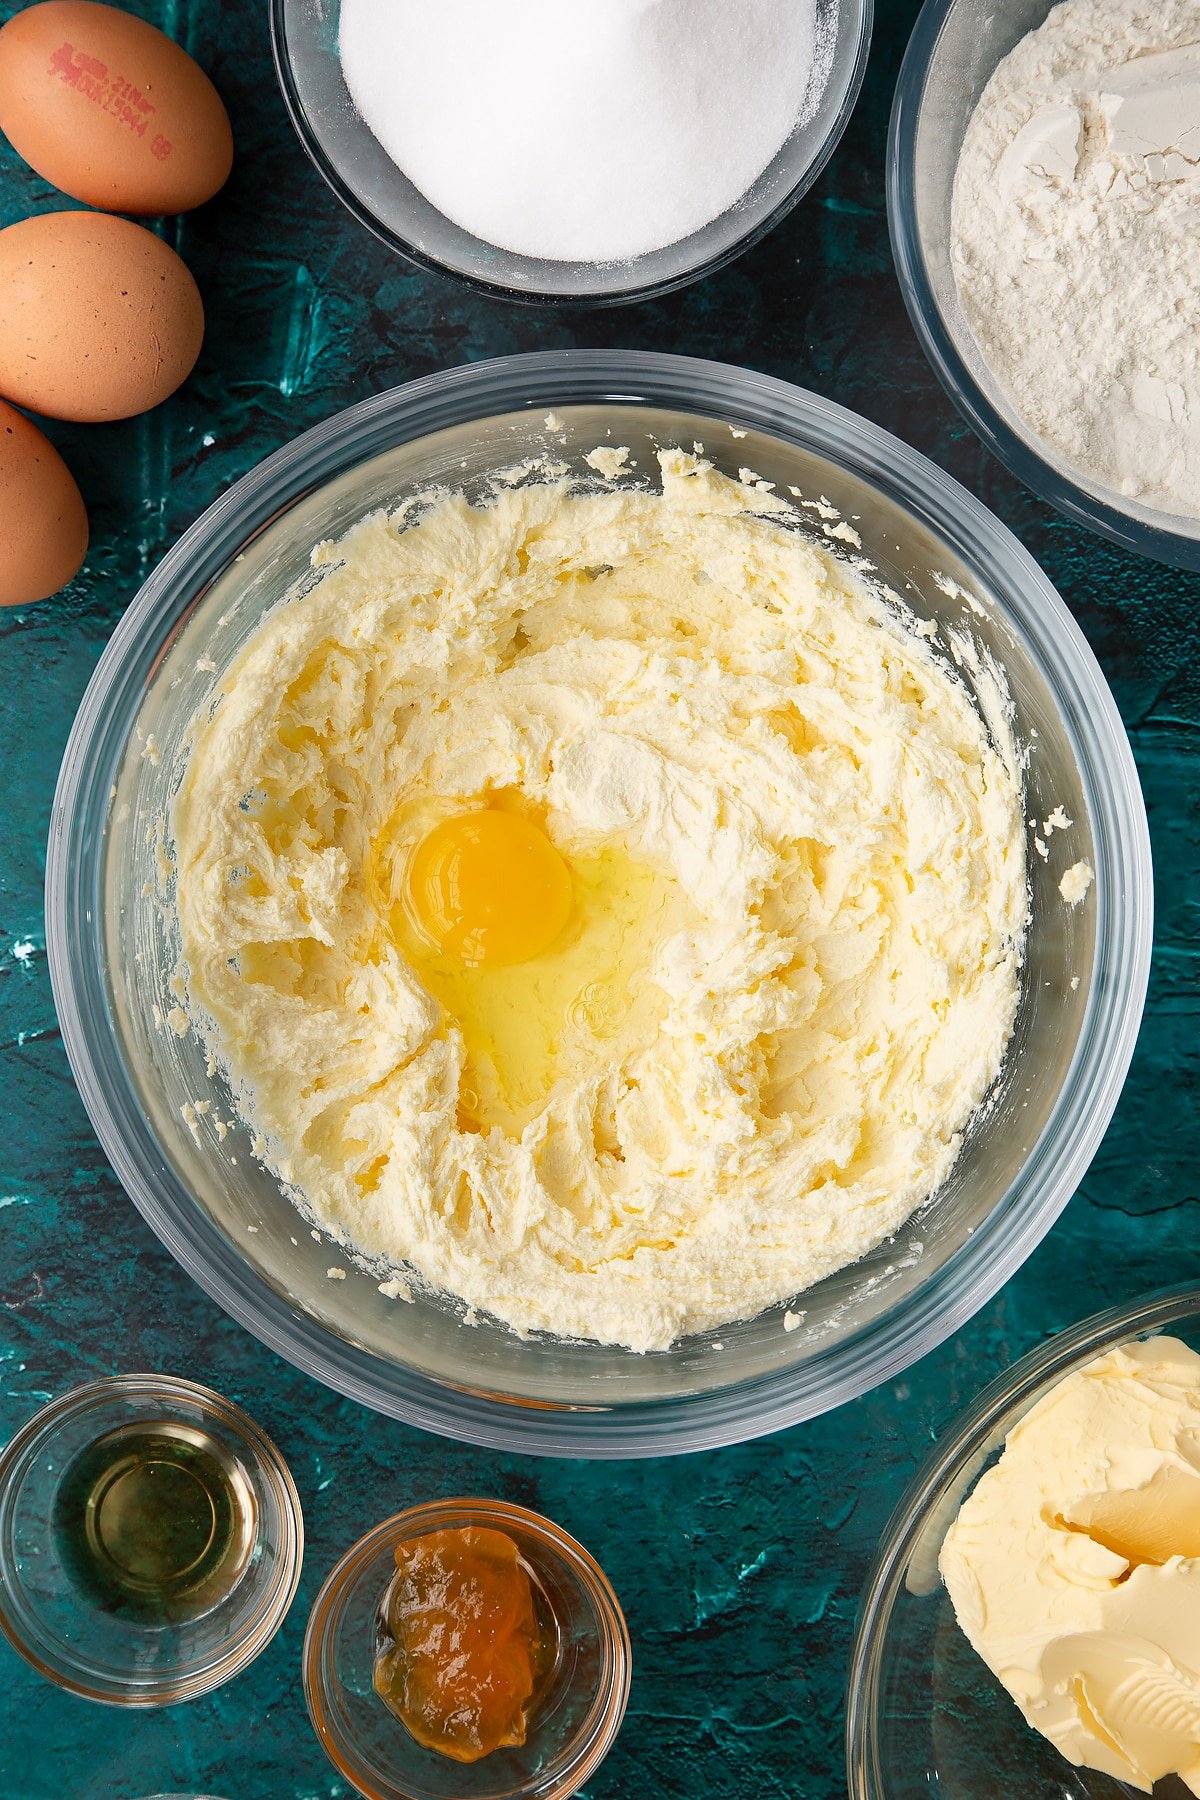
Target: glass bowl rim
{"type": "Point", "coordinates": [1122, 894]}
{"type": "Point", "coordinates": [596, 1733]}
{"type": "Point", "coordinates": [1018, 454]}
{"type": "Point", "coordinates": [966, 1435]}
{"type": "Point", "coordinates": [258, 1630]}
{"type": "Point", "coordinates": [329, 172]}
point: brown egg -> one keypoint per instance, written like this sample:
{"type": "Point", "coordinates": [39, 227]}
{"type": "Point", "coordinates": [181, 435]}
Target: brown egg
{"type": "Point", "coordinates": [43, 527]}
{"type": "Point", "coordinates": [99, 319]}
{"type": "Point", "coordinates": [110, 110]}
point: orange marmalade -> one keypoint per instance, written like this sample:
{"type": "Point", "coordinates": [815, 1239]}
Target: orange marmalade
{"type": "Point", "coordinates": [462, 1648]}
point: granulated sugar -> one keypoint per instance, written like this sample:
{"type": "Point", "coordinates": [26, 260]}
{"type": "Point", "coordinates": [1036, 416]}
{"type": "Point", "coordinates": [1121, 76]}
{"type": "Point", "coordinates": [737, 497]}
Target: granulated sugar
{"type": "Point", "coordinates": [590, 130]}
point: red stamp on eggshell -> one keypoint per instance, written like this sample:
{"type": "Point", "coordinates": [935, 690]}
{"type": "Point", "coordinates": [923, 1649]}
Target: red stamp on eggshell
{"type": "Point", "coordinates": [113, 94]}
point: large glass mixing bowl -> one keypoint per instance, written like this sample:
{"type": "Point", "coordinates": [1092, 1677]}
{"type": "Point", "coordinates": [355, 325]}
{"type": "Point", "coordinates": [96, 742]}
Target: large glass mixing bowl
{"type": "Point", "coordinates": [112, 946]}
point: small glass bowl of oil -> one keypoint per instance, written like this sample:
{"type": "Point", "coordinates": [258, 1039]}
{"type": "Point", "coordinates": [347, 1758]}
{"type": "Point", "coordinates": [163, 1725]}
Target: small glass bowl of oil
{"type": "Point", "coordinates": [150, 1540]}
{"type": "Point", "coordinates": [574, 1713]}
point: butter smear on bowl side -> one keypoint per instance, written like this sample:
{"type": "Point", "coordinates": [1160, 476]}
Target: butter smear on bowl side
{"type": "Point", "coordinates": [1074, 1565]}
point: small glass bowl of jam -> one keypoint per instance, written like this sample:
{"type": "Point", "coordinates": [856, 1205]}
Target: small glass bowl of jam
{"type": "Point", "coordinates": [150, 1540]}
{"type": "Point", "coordinates": [466, 1650]}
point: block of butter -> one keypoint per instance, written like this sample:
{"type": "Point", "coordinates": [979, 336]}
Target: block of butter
{"type": "Point", "coordinates": [1074, 1564]}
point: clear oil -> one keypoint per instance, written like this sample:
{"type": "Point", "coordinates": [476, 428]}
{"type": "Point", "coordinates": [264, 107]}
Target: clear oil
{"type": "Point", "coordinates": [156, 1522]}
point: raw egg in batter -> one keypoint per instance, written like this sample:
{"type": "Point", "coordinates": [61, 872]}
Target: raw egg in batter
{"type": "Point", "coordinates": [543, 959]}
{"type": "Point", "coordinates": [489, 887]}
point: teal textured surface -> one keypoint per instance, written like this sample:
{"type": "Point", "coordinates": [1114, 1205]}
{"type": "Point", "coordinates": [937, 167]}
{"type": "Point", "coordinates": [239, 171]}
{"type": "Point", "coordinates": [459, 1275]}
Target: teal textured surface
{"type": "Point", "coordinates": [739, 1570]}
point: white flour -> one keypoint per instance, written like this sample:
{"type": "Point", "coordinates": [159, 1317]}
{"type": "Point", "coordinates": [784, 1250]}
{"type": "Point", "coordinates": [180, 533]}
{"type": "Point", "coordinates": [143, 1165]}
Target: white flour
{"type": "Point", "coordinates": [573, 130]}
{"type": "Point", "coordinates": [1076, 241]}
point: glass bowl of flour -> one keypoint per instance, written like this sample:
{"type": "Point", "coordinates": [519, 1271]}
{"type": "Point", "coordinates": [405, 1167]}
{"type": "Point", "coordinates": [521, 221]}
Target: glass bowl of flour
{"type": "Point", "coordinates": [553, 153]}
{"type": "Point", "coordinates": [962, 592]}
{"type": "Point", "coordinates": [1044, 199]}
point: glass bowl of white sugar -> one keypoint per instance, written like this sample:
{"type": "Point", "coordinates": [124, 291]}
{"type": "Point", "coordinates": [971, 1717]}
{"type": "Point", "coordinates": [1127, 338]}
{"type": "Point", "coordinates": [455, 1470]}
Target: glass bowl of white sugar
{"type": "Point", "coordinates": [1044, 206]}
{"type": "Point", "coordinates": [549, 153]}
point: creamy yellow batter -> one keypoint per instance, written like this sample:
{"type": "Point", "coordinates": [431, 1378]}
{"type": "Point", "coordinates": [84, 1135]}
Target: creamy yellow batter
{"type": "Point", "coordinates": [798, 880]}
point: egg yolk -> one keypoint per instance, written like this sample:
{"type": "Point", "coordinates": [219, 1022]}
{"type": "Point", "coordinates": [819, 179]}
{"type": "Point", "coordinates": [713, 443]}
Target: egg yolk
{"type": "Point", "coordinates": [488, 887]}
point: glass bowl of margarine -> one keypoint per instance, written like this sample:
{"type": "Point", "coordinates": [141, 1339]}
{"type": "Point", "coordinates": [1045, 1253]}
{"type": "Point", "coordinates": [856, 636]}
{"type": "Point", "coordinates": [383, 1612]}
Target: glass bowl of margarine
{"type": "Point", "coordinates": [191, 1167]}
{"type": "Point", "coordinates": [925, 1714]}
